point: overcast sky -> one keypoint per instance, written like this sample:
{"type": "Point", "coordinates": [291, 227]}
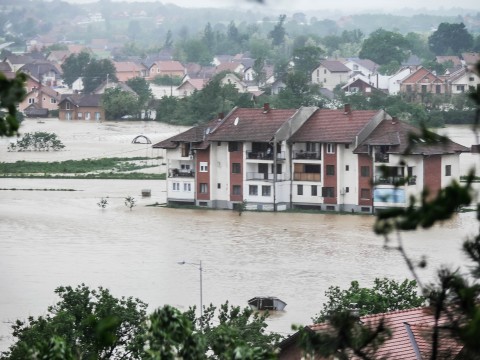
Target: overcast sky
{"type": "Point", "coordinates": [303, 5]}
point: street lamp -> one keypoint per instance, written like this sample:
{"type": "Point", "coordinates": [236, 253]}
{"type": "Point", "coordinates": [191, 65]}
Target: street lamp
{"type": "Point", "coordinates": [199, 264]}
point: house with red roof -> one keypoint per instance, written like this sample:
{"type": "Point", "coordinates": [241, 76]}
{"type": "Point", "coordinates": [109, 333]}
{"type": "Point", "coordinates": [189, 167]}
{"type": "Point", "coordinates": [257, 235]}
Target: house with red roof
{"type": "Point", "coordinates": [126, 70]}
{"type": "Point", "coordinates": [307, 158]}
{"type": "Point", "coordinates": [166, 68]}
{"type": "Point", "coordinates": [410, 337]}
{"type": "Point", "coordinates": [422, 82]}
{"type": "Point", "coordinates": [189, 86]}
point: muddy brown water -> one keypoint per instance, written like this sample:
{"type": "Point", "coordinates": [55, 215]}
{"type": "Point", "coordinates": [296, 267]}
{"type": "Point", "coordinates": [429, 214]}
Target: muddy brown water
{"type": "Point", "coordinates": [51, 238]}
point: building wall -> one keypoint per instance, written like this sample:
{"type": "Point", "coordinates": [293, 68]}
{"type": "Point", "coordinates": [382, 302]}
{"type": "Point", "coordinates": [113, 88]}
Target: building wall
{"type": "Point", "coordinates": [236, 179]}
{"type": "Point", "coordinates": [330, 180]}
{"type": "Point", "coordinates": [347, 179]}
{"type": "Point", "coordinates": [454, 162]}
{"type": "Point", "coordinates": [203, 177]}
{"type": "Point", "coordinates": [365, 182]}
{"type": "Point", "coordinates": [432, 173]}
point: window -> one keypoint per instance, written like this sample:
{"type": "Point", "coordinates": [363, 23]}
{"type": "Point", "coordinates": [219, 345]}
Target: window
{"type": "Point", "coordinates": [409, 88]}
{"type": "Point", "coordinates": [253, 190]}
{"type": "Point", "coordinates": [448, 170]}
{"type": "Point", "coordinates": [347, 146]}
{"type": "Point", "coordinates": [424, 89]}
{"type": "Point", "coordinates": [185, 149]}
{"type": "Point", "coordinates": [324, 71]}
{"type": "Point", "coordinates": [203, 188]}
{"type": "Point", "coordinates": [299, 189]}
{"type": "Point", "coordinates": [347, 189]}
{"type": "Point", "coordinates": [219, 143]}
{"type": "Point", "coordinates": [330, 170]}
{"type": "Point", "coordinates": [365, 193]}
{"type": "Point", "coordinates": [471, 78]}
{"type": "Point", "coordinates": [176, 186]}
{"type": "Point", "coordinates": [185, 166]}
{"type": "Point", "coordinates": [233, 146]}
{"type": "Point", "coordinates": [187, 187]}
{"type": "Point", "coordinates": [266, 190]}
{"type": "Point", "coordinates": [219, 186]}
{"type": "Point", "coordinates": [365, 171]}
{"type": "Point", "coordinates": [279, 168]}
{"type": "Point", "coordinates": [314, 190]}
{"type": "Point", "coordinates": [31, 100]}
{"type": "Point", "coordinates": [87, 116]}
{"type": "Point", "coordinates": [330, 148]}
{"type": "Point", "coordinates": [237, 190]}
{"type": "Point", "coordinates": [80, 115]}
{"type": "Point", "coordinates": [347, 167]}
{"type": "Point", "coordinates": [236, 168]}
{"type": "Point", "coordinates": [438, 89]}
{"type": "Point", "coordinates": [97, 116]}
{"type": "Point", "coordinates": [53, 101]}
{"type": "Point", "coordinates": [461, 88]}
{"type": "Point", "coordinates": [203, 166]}
{"type": "Point", "coordinates": [311, 169]}
{"type": "Point", "coordinates": [328, 191]}
{"type": "Point", "coordinates": [67, 106]}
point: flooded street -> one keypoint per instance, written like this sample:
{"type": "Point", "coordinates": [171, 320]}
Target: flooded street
{"type": "Point", "coordinates": [51, 237]}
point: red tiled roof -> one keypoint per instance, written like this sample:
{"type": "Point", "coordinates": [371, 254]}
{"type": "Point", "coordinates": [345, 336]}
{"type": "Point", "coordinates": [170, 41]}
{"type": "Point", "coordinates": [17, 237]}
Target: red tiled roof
{"type": "Point", "coordinates": [252, 125]}
{"type": "Point", "coordinates": [419, 75]}
{"type": "Point", "coordinates": [396, 134]}
{"type": "Point", "coordinates": [196, 134]}
{"type": "Point", "coordinates": [333, 126]}
{"type": "Point", "coordinates": [454, 59]}
{"type": "Point", "coordinates": [125, 66]}
{"type": "Point", "coordinates": [471, 58]}
{"type": "Point", "coordinates": [170, 65]}
{"type": "Point", "coordinates": [230, 66]}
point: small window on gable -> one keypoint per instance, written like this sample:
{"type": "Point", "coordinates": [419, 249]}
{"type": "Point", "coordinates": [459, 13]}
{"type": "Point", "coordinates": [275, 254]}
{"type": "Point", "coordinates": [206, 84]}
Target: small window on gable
{"type": "Point", "coordinates": [448, 170]}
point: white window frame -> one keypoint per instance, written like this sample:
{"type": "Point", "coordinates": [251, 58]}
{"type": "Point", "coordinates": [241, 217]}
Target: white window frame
{"type": "Point", "coordinates": [203, 166]}
{"type": "Point", "coordinates": [330, 148]}
{"type": "Point", "coordinates": [176, 186]}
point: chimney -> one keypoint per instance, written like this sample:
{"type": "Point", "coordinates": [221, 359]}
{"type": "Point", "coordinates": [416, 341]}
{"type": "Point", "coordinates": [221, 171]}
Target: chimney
{"type": "Point", "coordinates": [347, 109]}
{"type": "Point", "coordinates": [221, 116]}
{"type": "Point", "coordinates": [394, 120]}
{"type": "Point", "coordinates": [266, 108]}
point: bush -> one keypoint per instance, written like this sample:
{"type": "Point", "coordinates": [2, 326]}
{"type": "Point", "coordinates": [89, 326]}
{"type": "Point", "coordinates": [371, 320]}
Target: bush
{"type": "Point", "coordinates": [37, 141]}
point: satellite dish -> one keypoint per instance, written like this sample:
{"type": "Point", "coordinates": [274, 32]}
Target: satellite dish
{"type": "Point", "coordinates": [236, 121]}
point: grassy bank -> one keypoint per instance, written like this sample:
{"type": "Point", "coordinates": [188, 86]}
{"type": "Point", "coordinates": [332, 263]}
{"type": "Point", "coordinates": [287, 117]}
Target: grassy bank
{"type": "Point", "coordinates": [105, 168]}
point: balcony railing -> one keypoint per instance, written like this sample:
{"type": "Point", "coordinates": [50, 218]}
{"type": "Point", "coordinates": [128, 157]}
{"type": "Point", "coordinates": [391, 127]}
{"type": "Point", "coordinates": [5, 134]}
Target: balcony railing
{"type": "Point", "coordinates": [395, 180]}
{"type": "Point", "coordinates": [181, 173]}
{"type": "Point", "coordinates": [298, 176]}
{"type": "Point", "coordinates": [381, 157]}
{"type": "Point", "coordinates": [311, 155]}
{"type": "Point", "coordinates": [264, 176]}
{"type": "Point", "coordinates": [264, 155]}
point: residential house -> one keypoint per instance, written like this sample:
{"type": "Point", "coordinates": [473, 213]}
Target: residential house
{"type": "Point", "coordinates": [126, 70]}
{"type": "Point", "coordinates": [58, 56]}
{"type": "Point", "coordinates": [363, 67]}
{"type": "Point", "coordinates": [421, 83]}
{"type": "Point", "coordinates": [81, 107]}
{"type": "Point", "coordinates": [471, 59]}
{"type": "Point", "coordinates": [461, 80]}
{"type": "Point", "coordinates": [48, 73]}
{"type": "Point", "coordinates": [276, 159]}
{"type": "Point", "coordinates": [220, 59]}
{"type": "Point", "coordinates": [100, 89]}
{"type": "Point", "coordinates": [233, 79]}
{"type": "Point", "coordinates": [394, 81]}
{"type": "Point", "coordinates": [189, 86]}
{"type": "Point", "coordinates": [277, 86]}
{"type": "Point", "coordinates": [361, 84]}
{"type": "Point", "coordinates": [166, 68]}
{"type": "Point", "coordinates": [410, 337]}
{"type": "Point", "coordinates": [454, 60]}
{"type": "Point", "coordinates": [17, 61]}
{"type": "Point", "coordinates": [330, 73]}
{"type": "Point", "coordinates": [39, 101]}
{"type": "Point", "coordinates": [234, 67]}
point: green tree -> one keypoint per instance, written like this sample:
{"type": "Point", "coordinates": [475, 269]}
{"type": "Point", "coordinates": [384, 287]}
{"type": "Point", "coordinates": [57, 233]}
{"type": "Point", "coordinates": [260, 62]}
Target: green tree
{"type": "Point", "coordinates": [168, 44]}
{"type": "Point", "coordinates": [86, 323]}
{"type": "Point", "coordinates": [11, 93]}
{"type": "Point", "coordinates": [450, 39]}
{"type": "Point", "coordinates": [96, 72]}
{"type": "Point", "coordinates": [384, 46]}
{"type": "Point", "coordinates": [307, 58]}
{"type": "Point", "coordinates": [258, 68]}
{"type": "Point", "coordinates": [142, 88]}
{"type": "Point", "coordinates": [385, 295]}
{"type": "Point", "coordinates": [74, 67]}
{"type": "Point", "coordinates": [278, 33]}
{"type": "Point", "coordinates": [118, 103]}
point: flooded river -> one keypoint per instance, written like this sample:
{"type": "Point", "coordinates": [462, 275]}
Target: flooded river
{"type": "Point", "coordinates": [51, 237]}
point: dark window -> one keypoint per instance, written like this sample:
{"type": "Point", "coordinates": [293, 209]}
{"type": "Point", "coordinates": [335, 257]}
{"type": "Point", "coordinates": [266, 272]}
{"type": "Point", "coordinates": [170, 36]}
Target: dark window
{"type": "Point", "coordinates": [424, 89]}
{"type": "Point", "coordinates": [219, 143]}
{"type": "Point", "coordinates": [203, 188]}
{"type": "Point", "coordinates": [328, 192]}
{"type": "Point", "coordinates": [365, 171]}
{"type": "Point", "coordinates": [347, 146]}
{"type": "Point", "coordinates": [219, 186]}
{"type": "Point", "coordinates": [236, 168]}
{"type": "Point", "coordinates": [409, 88]}
{"type": "Point", "coordinates": [299, 189]}
{"type": "Point", "coordinates": [233, 146]}
{"type": "Point", "coordinates": [253, 190]}
{"type": "Point", "coordinates": [438, 89]}
{"type": "Point", "coordinates": [237, 190]}
{"type": "Point", "coordinates": [347, 167]}
{"type": "Point", "coordinates": [266, 190]}
{"type": "Point", "coordinates": [347, 189]}
{"type": "Point", "coordinates": [279, 168]}
{"type": "Point", "coordinates": [448, 170]}
{"type": "Point", "coordinates": [202, 203]}
{"type": "Point", "coordinates": [185, 149]}
{"type": "Point", "coordinates": [311, 169]}
{"type": "Point", "coordinates": [365, 209]}
{"type": "Point", "coordinates": [365, 193]}
{"type": "Point", "coordinates": [314, 190]}
{"type": "Point", "coordinates": [330, 208]}
{"type": "Point", "coordinates": [330, 170]}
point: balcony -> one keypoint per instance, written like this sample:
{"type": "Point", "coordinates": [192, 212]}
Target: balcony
{"type": "Point", "coordinates": [395, 180]}
{"type": "Point", "coordinates": [381, 157]}
{"type": "Point", "coordinates": [263, 176]}
{"type": "Point", "coordinates": [181, 173]}
{"type": "Point", "coordinates": [309, 155]}
{"type": "Point", "coordinates": [264, 155]}
{"type": "Point", "coordinates": [299, 176]}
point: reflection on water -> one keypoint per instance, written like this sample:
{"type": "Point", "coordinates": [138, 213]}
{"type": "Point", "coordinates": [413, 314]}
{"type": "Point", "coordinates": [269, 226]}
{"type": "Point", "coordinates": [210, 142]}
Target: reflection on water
{"type": "Point", "coordinates": [52, 238]}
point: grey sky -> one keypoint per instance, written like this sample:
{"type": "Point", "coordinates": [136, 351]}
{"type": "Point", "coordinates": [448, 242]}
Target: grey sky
{"type": "Point", "coordinates": [345, 5]}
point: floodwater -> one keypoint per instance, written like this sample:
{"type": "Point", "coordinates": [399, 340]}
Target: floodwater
{"type": "Point", "coordinates": [50, 237]}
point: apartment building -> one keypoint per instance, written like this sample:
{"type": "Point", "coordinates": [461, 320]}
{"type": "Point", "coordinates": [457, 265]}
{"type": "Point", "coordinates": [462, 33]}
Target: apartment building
{"type": "Point", "coordinates": [310, 158]}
